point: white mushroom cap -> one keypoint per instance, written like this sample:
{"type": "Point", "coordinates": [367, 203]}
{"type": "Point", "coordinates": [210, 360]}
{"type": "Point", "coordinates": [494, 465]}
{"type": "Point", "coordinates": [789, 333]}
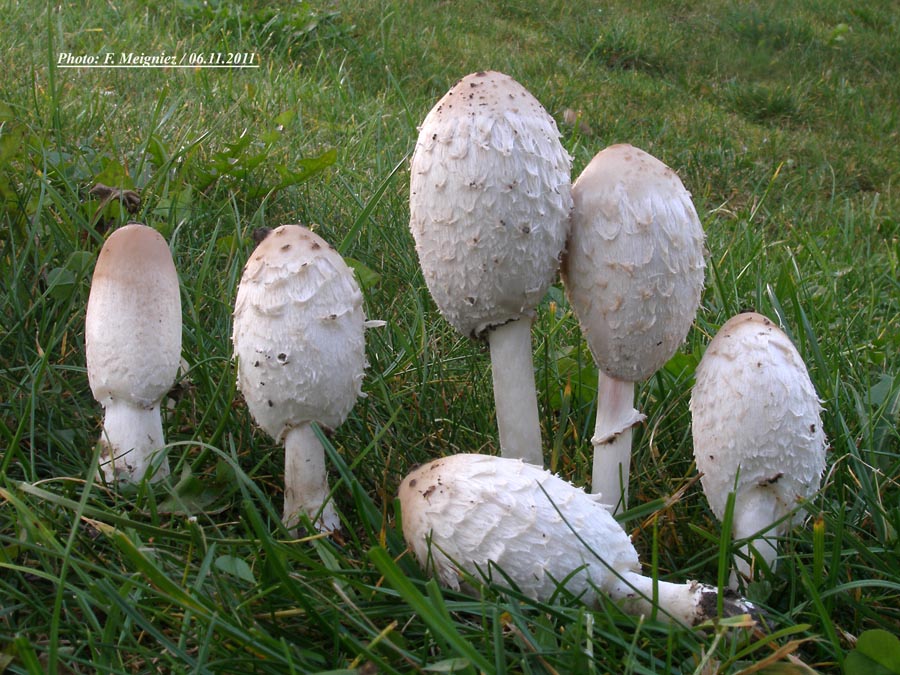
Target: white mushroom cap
{"type": "Point", "coordinates": [133, 321]}
{"type": "Point", "coordinates": [755, 411]}
{"type": "Point", "coordinates": [633, 268]}
{"type": "Point", "coordinates": [480, 508]}
{"type": "Point", "coordinates": [489, 202]}
{"type": "Point", "coordinates": [133, 348]}
{"type": "Point", "coordinates": [298, 333]}
{"type": "Point", "coordinates": [471, 513]}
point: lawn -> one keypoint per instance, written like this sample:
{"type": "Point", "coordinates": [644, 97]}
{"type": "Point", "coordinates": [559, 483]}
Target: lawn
{"type": "Point", "coordinates": [782, 121]}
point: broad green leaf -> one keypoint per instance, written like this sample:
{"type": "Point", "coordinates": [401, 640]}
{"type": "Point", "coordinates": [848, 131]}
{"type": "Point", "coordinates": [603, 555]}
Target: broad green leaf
{"type": "Point", "coordinates": [285, 118]}
{"type": "Point", "coordinates": [192, 495]}
{"type": "Point", "coordinates": [60, 282]}
{"type": "Point", "coordinates": [176, 206]}
{"type": "Point", "coordinates": [366, 276]}
{"type": "Point", "coordinates": [114, 174]}
{"type": "Point", "coordinates": [236, 567]}
{"type": "Point", "coordinates": [877, 653]}
{"type": "Point", "coordinates": [80, 263]}
{"type": "Point", "coordinates": [157, 150]}
{"type": "Point", "coordinates": [448, 666]}
{"type": "Point", "coordinates": [304, 169]}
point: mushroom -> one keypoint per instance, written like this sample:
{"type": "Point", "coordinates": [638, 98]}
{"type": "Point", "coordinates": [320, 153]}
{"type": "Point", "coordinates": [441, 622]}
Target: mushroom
{"type": "Point", "coordinates": [133, 349]}
{"type": "Point", "coordinates": [757, 431]}
{"type": "Point", "coordinates": [633, 273]}
{"type": "Point", "coordinates": [489, 202]}
{"type": "Point", "coordinates": [479, 515]}
{"type": "Point", "coordinates": [300, 350]}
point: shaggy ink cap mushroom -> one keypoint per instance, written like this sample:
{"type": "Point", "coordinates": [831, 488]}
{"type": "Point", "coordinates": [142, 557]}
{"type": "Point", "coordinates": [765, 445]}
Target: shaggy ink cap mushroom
{"type": "Point", "coordinates": [300, 347]}
{"type": "Point", "coordinates": [757, 432]}
{"type": "Point", "coordinates": [490, 199]}
{"type": "Point", "coordinates": [469, 514]}
{"type": "Point", "coordinates": [133, 349]}
{"type": "Point", "coordinates": [633, 272]}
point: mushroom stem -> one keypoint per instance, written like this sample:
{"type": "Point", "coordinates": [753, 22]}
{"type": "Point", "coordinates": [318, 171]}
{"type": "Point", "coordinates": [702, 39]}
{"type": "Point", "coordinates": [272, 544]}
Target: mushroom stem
{"type": "Point", "coordinates": [690, 603]}
{"type": "Point", "coordinates": [612, 440]}
{"type": "Point", "coordinates": [515, 396]}
{"type": "Point", "coordinates": [305, 480]}
{"type": "Point", "coordinates": [132, 436]}
{"type": "Point", "coordinates": [755, 510]}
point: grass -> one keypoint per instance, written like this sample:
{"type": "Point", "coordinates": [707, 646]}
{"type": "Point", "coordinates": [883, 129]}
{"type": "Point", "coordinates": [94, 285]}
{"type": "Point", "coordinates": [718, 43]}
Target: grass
{"type": "Point", "coordinates": [781, 121]}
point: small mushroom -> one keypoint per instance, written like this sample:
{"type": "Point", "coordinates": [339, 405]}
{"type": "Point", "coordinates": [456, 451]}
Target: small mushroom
{"type": "Point", "coordinates": [133, 349]}
{"type": "Point", "coordinates": [633, 273]}
{"type": "Point", "coordinates": [484, 516]}
{"type": "Point", "coordinates": [489, 210]}
{"type": "Point", "coordinates": [300, 350]}
{"type": "Point", "coordinates": [757, 431]}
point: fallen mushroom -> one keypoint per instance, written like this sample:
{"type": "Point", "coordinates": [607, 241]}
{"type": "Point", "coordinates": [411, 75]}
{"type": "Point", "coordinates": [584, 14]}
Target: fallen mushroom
{"type": "Point", "coordinates": [757, 431]}
{"type": "Point", "coordinates": [489, 210]}
{"type": "Point", "coordinates": [133, 349]}
{"type": "Point", "coordinates": [468, 513]}
{"type": "Point", "coordinates": [633, 272]}
{"type": "Point", "coordinates": [300, 350]}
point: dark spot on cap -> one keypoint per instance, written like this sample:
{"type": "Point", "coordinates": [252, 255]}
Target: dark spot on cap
{"type": "Point", "coordinates": [286, 247]}
{"type": "Point", "coordinates": [259, 234]}
{"type": "Point", "coordinates": [412, 483]}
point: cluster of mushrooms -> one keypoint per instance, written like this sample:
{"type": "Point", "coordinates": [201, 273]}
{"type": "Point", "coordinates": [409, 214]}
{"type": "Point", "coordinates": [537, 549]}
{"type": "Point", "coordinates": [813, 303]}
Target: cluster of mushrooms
{"type": "Point", "coordinates": [495, 218]}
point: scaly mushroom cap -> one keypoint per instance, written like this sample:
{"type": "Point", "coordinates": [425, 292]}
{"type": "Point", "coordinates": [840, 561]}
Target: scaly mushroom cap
{"type": "Point", "coordinates": [298, 332]}
{"type": "Point", "coordinates": [133, 321]}
{"type": "Point", "coordinates": [475, 509]}
{"type": "Point", "coordinates": [754, 408]}
{"type": "Point", "coordinates": [489, 202]}
{"type": "Point", "coordinates": [633, 268]}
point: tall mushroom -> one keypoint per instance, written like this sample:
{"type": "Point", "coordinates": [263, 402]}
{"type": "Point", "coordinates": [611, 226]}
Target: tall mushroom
{"type": "Point", "coordinates": [489, 209]}
{"type": "Point", "coordinates": [300, 350]}
{"type": "Point", "coordinates": [757, 431]}
{"type": "Point", "coordinates": [133, 349]}
{"type": "Point", "coordinates": [469, 513]}
{"type": "Point", "coordinates": [633, 272]}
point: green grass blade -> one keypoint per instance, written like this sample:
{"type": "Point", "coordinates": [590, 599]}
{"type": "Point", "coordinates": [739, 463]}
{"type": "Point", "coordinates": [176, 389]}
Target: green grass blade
{"type": "Point", "coordinates": [439, 621]}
